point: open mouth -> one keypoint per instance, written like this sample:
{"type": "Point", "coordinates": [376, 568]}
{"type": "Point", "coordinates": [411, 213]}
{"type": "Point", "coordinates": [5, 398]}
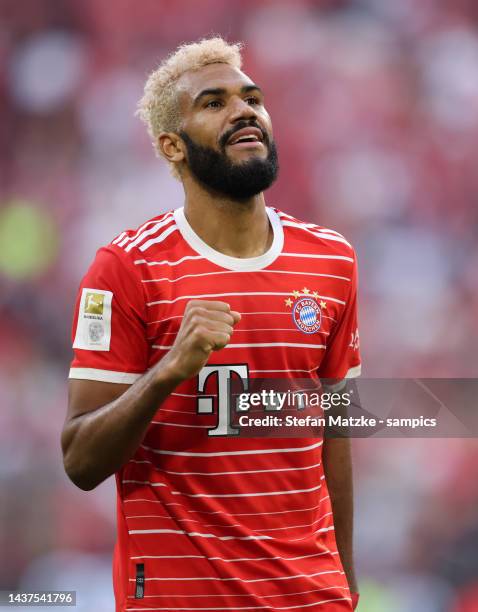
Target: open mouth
{"type": "Point", "coordinates": [247, 138]}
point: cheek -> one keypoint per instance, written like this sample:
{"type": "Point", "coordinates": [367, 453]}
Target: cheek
{"type": "Point", "coordinates": [208, 138]}
{"type": "Point", "coordinates": [207, 127]}
{"type": "Point", "coordinates": [266, 118]}
{"type": "Point", "coordinates": [268, 128]}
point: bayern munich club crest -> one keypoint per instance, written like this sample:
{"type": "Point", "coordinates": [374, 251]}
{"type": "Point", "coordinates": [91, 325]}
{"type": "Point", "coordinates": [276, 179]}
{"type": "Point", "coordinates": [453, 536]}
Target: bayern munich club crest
{"type": "Point", "coordinates": [306, 310]}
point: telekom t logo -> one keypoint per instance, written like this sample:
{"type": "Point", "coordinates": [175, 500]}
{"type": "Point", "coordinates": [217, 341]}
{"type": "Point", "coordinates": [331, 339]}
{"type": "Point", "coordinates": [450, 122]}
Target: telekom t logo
{"type": "Point", "coordinates": [206, 403]}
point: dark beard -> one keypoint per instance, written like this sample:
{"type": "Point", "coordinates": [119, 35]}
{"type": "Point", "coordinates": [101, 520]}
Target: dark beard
{"type": "Point", "coordinates": [215, 171]}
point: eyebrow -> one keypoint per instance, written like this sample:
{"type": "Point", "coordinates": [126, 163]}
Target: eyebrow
{"type": "Point", "coordinates": [220, 91]}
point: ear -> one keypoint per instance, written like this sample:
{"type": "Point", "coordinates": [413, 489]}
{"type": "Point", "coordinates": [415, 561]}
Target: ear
{"type": "Point", "coordinates": [171, 147]}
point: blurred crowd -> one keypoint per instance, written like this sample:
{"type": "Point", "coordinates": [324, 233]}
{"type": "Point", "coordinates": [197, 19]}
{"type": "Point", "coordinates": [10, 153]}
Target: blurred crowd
{"type": "Point", "coordinates": [375, 112]}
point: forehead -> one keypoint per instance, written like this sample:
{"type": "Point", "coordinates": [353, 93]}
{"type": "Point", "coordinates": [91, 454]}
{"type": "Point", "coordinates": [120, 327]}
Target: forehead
{"type": "Point", "coordinates": [212, 76]}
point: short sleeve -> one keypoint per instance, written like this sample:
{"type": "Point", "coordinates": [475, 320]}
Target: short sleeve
{"type": "Point", "coordinates": [109, 328]}
{"type": "Point", "coordinates": [342, 356]}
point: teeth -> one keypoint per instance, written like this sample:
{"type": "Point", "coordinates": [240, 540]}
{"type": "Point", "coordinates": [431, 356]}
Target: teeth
{"type": "Point", "coordinates": [246, 138]}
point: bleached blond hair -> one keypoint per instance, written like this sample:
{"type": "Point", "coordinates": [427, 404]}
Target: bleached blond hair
{"type": "Point", "coordinates": [159, 107]}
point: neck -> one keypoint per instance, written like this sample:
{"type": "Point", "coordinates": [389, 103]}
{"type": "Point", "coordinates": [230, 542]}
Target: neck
{"type": "Point", "coordinates": [237, 229]}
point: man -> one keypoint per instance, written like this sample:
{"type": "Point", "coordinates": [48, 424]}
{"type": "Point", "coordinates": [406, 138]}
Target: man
{"type": "Point", "coordinates": [223, 289]}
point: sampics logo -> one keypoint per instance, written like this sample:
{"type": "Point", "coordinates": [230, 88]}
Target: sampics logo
{"type": "Point", "coordinates": [306, 310]}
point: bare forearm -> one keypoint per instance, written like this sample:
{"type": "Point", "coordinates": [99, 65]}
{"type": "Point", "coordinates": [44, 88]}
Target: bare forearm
{"type": "Point", "coordinates": [338, 474]}
{"type": "Point", "coordinates": [106, 423]}
{"type": "Point", "coordinates": [96, 444]}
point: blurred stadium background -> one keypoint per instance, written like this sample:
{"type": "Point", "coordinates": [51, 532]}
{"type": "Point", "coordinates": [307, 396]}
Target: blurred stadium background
{"type": "Point", "coordinates": [375, 110]}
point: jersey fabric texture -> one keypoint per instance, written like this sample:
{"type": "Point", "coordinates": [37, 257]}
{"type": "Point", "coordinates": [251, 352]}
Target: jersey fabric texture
{"type": "Point", "coordinates": [214, 522]}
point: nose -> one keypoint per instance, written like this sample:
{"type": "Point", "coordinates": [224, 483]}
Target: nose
{"type": "Point", "coordinates": [241, 110]}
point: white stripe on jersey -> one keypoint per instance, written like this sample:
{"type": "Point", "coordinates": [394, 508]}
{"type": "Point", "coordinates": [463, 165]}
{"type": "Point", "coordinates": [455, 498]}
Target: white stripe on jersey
{"type": "Point", "coordinates": [165, 516]}
{"type": "Point", "coordinates": [316, 603]}
{"type": "Point", "coordinates": [126, 378]}
{"type": "Point", "coordinates": [284, 216]}
{"type": "Point", "coordinates": [175, 280]}
{"type": "Point", "coordinates": [149, 232]}
{"type": "Point", "coordinates": [306, 371]}
{"type": "Point", "coordinates": [161, 516]}
{"type": "Point", "coordinates": [165, 319]}
{"type": "Point", "coordinates": [320, 554]}
{"type": "Point", "coordinates": [179, 578]}
{"type": "Point", "coordinates": [177, 411]}
{"type": "Point", "coordinates": [155, 501]}
{"type": "Point", "coordinates": [152, 484]}
{"type": "Point", "coordinates": [255, 345]}
{"type": "Point", "coordinates": [291, 526]}
{"type": "Point", "coordinates": [268, 513]}
{"type": "Point", "coordinates": [242, 314]}
{"type": "Point", "coordinates": [196, 535]}
{"type": "Point", "coordinates": [120, 237]}
{"type": "Point", "coordinates": [323, 530]}
{"type": "Point", "coordinates": [127, 238]}
{"type": "Point", "coordinates": [258, 494]}
{"type": "Point", "coordinates": [180, 425]}
{"type": "Point", "coordinates": [165, 262]}
{"type": "Point", "coordinates": [318, 233]}
{"type": "Point", "coordinates": [251, 329]}
{"type": "Point", "coordinates": [343, 588]}
{"type": "Point", "coordinates": [156, 225]}
{"type": "Point", "coordinates": [310, 225]}
{"type": "Point", "coordinates": [265, 313]}
{"type": "Point", "coordinates": [314, 256]}
{"type": "Point", "coordinates": [267, 329]}
{"type": "Point", "coordinates": [270, 344]}
{"type": "Point", "coordinates": [145, 246]}
{"type": "Point", "coordinates": [204, 295]}
{"type": "Point", "coordinates": [291, 469]}
{"type": "Point", "coordinates": [258, 313]}
{"type": "Point", "coordinates": [323, 230]}
{"type": "Point", "coordinates": [259, 451]}
{"type": "Point", "coordinates": [151, 501]}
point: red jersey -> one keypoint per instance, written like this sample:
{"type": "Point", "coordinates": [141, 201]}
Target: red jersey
{"type": "Point", "coordinates": [205, 520]}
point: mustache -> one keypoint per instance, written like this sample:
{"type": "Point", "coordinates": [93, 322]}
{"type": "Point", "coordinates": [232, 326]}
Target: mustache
{"type": "Point", "coordinates": [239, 126]}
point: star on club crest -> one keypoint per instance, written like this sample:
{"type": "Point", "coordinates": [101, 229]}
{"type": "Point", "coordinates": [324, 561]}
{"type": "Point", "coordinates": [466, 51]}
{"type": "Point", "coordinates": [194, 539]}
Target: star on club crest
{"type": "Point", "coordinates": [306, 310]}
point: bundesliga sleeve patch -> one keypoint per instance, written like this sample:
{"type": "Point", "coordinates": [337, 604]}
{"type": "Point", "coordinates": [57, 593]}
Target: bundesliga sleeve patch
{"type": "Point", "coordinates": [93, 331]}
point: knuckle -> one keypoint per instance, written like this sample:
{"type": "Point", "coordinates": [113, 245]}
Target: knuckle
{"type": "Point", "coordinates": [197, 310]}
{"type": "Point", "coordinates": [194, 316]}
{"type": "Point", "coordinates": [201, 332]}
{"type": "Point", "coordinates": [196, 333]}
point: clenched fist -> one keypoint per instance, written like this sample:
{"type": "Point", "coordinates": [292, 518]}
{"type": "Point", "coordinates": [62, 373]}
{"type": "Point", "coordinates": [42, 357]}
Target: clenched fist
{"type": "Point", "coordinates": [206, 326]}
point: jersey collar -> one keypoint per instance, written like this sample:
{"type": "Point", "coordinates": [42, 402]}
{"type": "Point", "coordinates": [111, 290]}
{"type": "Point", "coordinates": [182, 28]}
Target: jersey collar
{"type": "Point", "coordinates": [225, 261]}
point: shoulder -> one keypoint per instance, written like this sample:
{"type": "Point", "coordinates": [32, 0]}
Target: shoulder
{"type": "Point", "coordinates": [132, 242]}
{"type": "Point", "coordinates": [121, 256]}
{"type": "Point", "coordinates": [316, 237]}
{"type": "Point", "coordinates": [152, 237]}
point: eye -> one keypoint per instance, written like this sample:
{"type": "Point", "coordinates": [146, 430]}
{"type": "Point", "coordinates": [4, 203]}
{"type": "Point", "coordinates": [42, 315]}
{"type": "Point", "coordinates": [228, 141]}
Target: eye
{"type": "Point", "coordinates": [214, 104]}
{"type": "Point", "coordinates": [252, 100]}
